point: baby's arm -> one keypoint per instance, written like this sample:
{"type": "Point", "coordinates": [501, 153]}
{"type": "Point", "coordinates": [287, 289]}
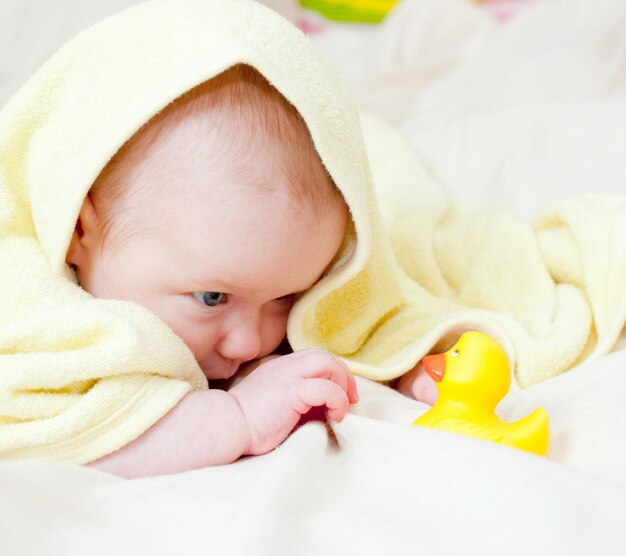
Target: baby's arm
{"type": "Point", "coordinates": [205, 428]}
{"type": "Point", "coordinates": [215, 427]}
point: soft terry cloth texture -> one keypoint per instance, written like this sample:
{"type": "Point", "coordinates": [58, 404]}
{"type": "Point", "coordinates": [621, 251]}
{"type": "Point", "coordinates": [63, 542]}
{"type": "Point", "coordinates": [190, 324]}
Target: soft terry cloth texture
{"type": "Point", "coordinates": [81, 377]}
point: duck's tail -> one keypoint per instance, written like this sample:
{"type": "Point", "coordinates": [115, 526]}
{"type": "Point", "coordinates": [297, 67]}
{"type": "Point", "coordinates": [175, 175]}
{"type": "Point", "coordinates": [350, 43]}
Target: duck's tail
{"type": "Point", "coordinates": [532, 433]}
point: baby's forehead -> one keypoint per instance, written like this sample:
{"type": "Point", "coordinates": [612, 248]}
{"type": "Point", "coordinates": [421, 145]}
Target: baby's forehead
{"type": "Point", "coordinates": [199, 131]}
{"type": "Point", "coordinates": [235, 125]}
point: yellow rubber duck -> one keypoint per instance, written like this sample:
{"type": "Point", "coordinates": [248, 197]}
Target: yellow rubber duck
{"type": "Point", "coordinates": [472, 377]}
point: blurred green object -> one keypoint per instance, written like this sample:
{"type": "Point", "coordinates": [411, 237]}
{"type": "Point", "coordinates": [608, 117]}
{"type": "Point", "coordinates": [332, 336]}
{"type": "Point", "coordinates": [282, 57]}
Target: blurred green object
{"type": "Point", "coordinates": [360, 11]}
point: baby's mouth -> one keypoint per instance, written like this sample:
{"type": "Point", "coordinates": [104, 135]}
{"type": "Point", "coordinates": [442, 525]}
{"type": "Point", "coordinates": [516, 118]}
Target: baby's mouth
{"type": "Point", "coordinates": [225, 370]}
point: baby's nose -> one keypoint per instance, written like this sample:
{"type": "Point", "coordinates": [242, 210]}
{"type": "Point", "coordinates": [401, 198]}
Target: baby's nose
{"type": "Point", "coordinates": [242, 342]}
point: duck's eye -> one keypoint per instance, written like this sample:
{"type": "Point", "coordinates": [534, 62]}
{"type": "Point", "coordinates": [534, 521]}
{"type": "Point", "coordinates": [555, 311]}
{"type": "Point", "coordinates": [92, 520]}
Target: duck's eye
{"type": "Point", "coordinates": [455, 353]}
{"type": "Point", "coordinates": [210, 299]}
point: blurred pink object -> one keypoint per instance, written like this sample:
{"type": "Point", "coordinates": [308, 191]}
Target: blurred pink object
{"type": "Point", "coordinates": [309, 27]}
{"type": "Point", "coordinates": [312, 23]}
{"type": "Point", "coordinates": [503, 10]}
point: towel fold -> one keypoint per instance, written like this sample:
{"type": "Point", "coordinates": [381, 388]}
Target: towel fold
{"type": "Point", "coordinates": [553, 292]}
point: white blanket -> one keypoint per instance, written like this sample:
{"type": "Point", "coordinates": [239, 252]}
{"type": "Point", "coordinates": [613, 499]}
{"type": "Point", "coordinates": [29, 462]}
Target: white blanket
{"type": "Point", "coordinates": [516, 115]}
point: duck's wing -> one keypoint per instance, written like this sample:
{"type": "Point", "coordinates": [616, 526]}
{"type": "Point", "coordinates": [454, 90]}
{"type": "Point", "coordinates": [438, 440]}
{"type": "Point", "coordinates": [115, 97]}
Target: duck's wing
{"type": "Point", "coordinates": [451, 423]}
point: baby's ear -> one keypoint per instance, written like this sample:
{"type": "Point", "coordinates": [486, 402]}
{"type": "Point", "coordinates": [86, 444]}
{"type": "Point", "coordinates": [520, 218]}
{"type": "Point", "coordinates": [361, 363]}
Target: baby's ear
{"type": "Point", "coordinates": [87, 223]}
{"type": "Point", "coordinates": [85, 234]}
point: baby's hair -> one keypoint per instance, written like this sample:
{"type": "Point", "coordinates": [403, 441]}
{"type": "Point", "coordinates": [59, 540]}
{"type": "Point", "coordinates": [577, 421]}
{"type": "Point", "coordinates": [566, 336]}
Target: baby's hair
{"type": "Point", "coordinates": [246, 113]}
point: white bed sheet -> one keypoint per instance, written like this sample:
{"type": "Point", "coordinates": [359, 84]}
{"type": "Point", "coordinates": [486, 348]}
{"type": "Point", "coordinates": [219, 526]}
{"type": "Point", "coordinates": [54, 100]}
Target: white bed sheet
{"type": "Point", "coordinates": [515, 115]}
{"type": "Point", "coordinates": [384, 487]}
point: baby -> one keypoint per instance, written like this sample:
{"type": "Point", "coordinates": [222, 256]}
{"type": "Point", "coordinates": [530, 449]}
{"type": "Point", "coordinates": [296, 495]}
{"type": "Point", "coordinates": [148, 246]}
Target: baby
{"type": "Point", "coordinates": [215, 216]}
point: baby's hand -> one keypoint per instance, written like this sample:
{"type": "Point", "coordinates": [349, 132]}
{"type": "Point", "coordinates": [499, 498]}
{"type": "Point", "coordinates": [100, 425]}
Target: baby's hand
{"type": "Point", "coordinates": [280, 390]}
{"type": "Point", "coordinates": [417, 384]}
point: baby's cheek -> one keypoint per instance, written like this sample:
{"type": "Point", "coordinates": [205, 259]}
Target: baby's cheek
{"type": "Point", "coordinates": [274, 330]}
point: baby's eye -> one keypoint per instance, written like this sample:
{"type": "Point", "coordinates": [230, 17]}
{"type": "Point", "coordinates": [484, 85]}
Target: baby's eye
{"type": "Point", "coordinates": [455, 353]}
{"type": "Point", "coordinates": [210, 299]}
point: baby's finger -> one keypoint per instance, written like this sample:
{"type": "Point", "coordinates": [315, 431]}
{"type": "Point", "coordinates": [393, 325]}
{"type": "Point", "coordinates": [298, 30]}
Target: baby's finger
{"type": "Point", "coordinates": [340, 374]}
{"type": "Point", "coordinates": [353, 392]}
{"type": "Point", "coordinates": [321, 364]}
{"type": "Point", "coordinates": [316, 392]}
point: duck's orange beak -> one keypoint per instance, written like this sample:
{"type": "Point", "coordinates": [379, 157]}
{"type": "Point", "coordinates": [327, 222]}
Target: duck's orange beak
{"type": "Point", "coordinates": [435, 366]}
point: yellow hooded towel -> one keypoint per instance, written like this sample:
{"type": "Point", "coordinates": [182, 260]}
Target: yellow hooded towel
{"type": "Point", "coordinates": [80, 377]}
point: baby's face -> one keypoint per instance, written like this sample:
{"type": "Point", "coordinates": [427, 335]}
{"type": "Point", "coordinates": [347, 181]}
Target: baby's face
{"type": "Point", "coordinates": [219, 262]}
